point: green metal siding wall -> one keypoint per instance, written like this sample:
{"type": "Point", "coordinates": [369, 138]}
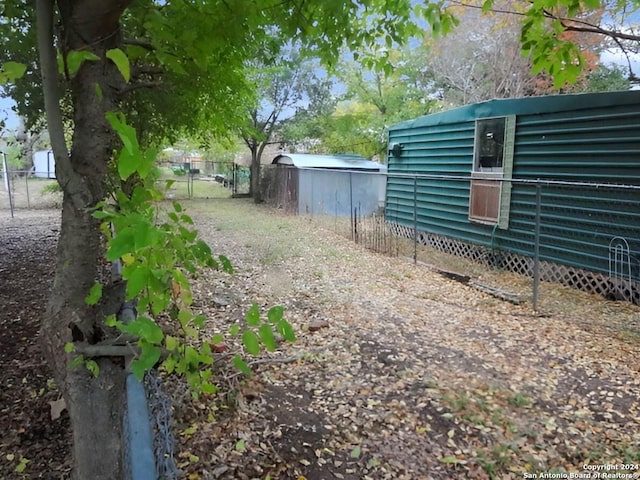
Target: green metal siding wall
{"type": "Point", "coordinates": [442, 205]}
{"type": "Point", "coordinates": [593, 138]}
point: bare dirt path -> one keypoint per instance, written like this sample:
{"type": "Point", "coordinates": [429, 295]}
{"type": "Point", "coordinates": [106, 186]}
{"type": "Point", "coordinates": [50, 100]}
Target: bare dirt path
{"type": "Point", "coordinates": [415, 377]}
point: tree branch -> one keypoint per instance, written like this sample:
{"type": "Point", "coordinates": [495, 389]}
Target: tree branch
{"type": "Point", "coordinates": [566, 23]}
{"type": "Point", "coordinates": [49, 72]}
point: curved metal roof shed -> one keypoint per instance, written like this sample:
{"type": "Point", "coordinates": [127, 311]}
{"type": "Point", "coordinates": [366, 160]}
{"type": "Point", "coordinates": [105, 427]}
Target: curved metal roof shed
{"type": "Point", "coordinates": [342, 162]}
{"type": "Point", "coordinates": [336, 185]}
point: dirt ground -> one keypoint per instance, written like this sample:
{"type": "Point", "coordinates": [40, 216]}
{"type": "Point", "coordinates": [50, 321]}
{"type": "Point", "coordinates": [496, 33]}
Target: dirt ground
{"type": "Point", "coordinates": [414, 375]}
{"type": "Point", "coordinates": [398, 372]}
{"type": "Point", "coordinates": [30, 441]}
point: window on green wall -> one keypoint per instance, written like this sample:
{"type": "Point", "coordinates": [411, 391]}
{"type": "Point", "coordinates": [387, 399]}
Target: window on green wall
{"type": "Point", "coordinates": [489, 148]}
{"type": "Point", "coordinates": [490, 194]}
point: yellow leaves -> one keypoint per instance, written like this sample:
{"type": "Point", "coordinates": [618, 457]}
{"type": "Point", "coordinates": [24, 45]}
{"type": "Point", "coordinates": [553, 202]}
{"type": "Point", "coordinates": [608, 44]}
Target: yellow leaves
{"type": "Point", "coordinates": [189, 459]}
{"type": "Point", "coordinates": [583, 412]}
{"type": "Point", "coordinates": [22, 464]}
{"type": "Point", "coordinates": [553, 364]}
{"type": "Point", "coordinates": [128, 259]}
{"type": "Point", "coordinates": [189, 430]}
{"type": "Point", "coordinates": [424, 429]}
{"type": "Point", "coordinates": [21, 467]}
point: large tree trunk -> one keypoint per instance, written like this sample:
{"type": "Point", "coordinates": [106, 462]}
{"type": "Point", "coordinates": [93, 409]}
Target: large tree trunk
{"type": "Point", "coordinates": [95, 404]}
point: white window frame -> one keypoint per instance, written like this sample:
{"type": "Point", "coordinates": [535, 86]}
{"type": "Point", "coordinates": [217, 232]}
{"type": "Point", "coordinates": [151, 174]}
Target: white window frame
{"type": "Point", "coordinates": [486, 178]}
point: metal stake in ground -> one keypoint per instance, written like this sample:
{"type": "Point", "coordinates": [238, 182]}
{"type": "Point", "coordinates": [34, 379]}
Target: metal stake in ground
{"type": "Point", "coordinates": [7, 183]}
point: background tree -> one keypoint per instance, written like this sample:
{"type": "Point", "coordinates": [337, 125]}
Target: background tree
{"type": "Point", "coordinates": [280, 85]}
{"type": "Point", "coordinates": [356, 121]}
{"type": "Point", "coordinates": [608, 78]}
{"type": "Point", "coordinates": [482, 58]}
{"type": "Point", "coordinates": [552, 33]}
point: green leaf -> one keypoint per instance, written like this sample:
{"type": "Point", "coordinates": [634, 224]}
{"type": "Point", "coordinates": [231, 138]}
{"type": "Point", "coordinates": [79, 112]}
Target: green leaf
{"type": "Point", "coordinates": [95, 294]}
{"type": "Point", "coordinates": [192, 356]}
{"type": "Point", "coordinates": [226, 264]}
{"type": "Point", "coordinates": [98, 90]}
{"type": "Point", "coordinates": [253, 315]}
{"type": "Point", "coordinates": [234, 330]}
{"type": "Point", "coordinates": [101, 214]}
{"type": "Point", "coordinates": [121, 60]}
{"type": "Point", "coordinates": [185, 316]}
{"type": "Point", "coordinates": [11, 71]}
{"type": "Point", "coordinates": [149, 356]}
{"type": "Point", "coordinates": [240, 446]}
{"type": "Point", "coordinates": [199, 320]}
{"type": "Point", "coordinates": [75, 59]}
{"type": "Point", "coordinates": [131, 156]}
{"type": "Point", "coordinates": [205, 353]}
{"type": "Point", "coordinates": [146, 329]}
{"type": "Point", "coordinates": [208, 388]}
{"type": "Point", "coordinates": [170, 343]}
{"type": "Point", "coordinates": [128, 163]}
{"type": "Point", "coordinates": [76, 362]}
{"type": "Point", "coordinates": [241, 365]}
{"type": "Point", "coordinates": [267, 337]}
{"type": "Point", "coordinates": [123, 243]}
{"type": "Point", "coordinates": [286, 330]}
{"type": "Point", "coordinates": [356, 452]}
{"type": "Point", "coordinates": [21, 467]}
{"type": "Point", "coordinates": [177, 207]}
{"type": "Point", "coordinates": [170, 363]}
{"type": "Point", "coordinates": [275, 314]}
{"type": "Point", "coordinates": [137, 279]}
{"type": "Point", "coordinates": [111, 321]}
{"type": "Point", "coordinates": [217, 338]}
{"type": "Point", "coordinates": [93, 367]}
{"type": "Point", "coordinates": [69, 347]}
{"type": "Point", "coordinates": [449, 460]}
{"type": "Point", "coordinates": [251, 342]}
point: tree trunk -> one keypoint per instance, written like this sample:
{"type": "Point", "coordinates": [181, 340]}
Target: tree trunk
{"type": "Point", "coordinates": [95, 404]}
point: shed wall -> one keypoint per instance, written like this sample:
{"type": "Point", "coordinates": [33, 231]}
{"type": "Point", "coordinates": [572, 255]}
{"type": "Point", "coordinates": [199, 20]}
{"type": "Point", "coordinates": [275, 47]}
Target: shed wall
{"type": "Point", "coordinates": [338, 193]}
{"type": "Point", "coordinates": [599, 145]}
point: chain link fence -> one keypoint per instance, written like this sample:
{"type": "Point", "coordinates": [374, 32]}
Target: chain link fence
{"type": "Point", "coordinates": [22, 189]}
{"type": "Point", "coordinates": [206, 180]}
{"type": "Point", "coordinates": [513, 235]}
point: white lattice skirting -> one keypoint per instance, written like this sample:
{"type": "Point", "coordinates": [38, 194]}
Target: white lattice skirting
{"type": "Point", "coordinates": [570, 276]}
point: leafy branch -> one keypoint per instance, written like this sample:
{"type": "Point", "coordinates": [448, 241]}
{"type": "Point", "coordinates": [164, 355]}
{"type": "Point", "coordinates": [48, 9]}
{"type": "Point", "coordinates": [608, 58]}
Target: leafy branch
{"type": "Point", "coordinates": [159, 250]}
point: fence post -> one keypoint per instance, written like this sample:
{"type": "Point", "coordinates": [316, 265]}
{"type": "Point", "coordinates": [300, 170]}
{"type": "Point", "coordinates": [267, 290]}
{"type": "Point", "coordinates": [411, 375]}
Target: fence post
{"type": "Point", "coordinates": [354, 219]}
{"type": "Point", "coordinates": [7, 181]}
{"type": "Point", "coordinates": [26, 182]}
{"type": "Point", "coordinates": [536, 254]}
{"type": "Point", "coordinates": [415, 219]}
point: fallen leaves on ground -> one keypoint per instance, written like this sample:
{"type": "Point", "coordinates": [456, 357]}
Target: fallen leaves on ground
{"type": "Point", "coordinates": [411, 375]}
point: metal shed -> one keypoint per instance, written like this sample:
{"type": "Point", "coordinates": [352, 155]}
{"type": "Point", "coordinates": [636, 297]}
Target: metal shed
{"type": "Point", "coordinates": [488, 168]}
{"type": "Point", "coordinates": [335, 185]}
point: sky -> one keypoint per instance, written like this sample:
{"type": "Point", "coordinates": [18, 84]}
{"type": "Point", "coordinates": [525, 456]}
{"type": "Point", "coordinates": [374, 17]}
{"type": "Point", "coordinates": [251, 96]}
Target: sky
{"type": "Point", "coordinates": [8, 115]}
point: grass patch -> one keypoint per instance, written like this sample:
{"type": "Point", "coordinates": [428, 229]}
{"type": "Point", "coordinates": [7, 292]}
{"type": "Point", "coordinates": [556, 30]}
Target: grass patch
{"type": "Point", "coordinates": [184, 188]}
{"type": "Point", "coordinates": [519, 400]}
